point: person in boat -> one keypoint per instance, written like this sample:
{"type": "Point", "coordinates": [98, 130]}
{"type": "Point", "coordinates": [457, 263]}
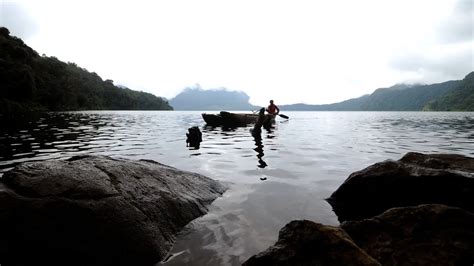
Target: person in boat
{"type": "Point", "coordinates": [273, 109]}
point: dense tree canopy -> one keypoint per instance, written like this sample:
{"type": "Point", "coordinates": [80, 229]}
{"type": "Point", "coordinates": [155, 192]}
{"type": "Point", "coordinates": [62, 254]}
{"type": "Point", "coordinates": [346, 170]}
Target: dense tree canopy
{"type": "Point", "coordinates": [406, 98]}
{"type": "Point", "coordinates": [32, 82]}
{"type": "Point", "coordinates": [459, 99]}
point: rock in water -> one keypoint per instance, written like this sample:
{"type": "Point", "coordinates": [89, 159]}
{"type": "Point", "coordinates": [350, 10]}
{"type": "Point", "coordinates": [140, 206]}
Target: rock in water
{"type": "Point", "coordinates": [429, 234]}
{"type": "Point", "coordinates": [414, 234]}
{"type": "Point", "coordinates": [94, 210]}
{"type": "Point", "coordinates": [312, 244]}
{"type": "Point", "coordinates": [413, 180]}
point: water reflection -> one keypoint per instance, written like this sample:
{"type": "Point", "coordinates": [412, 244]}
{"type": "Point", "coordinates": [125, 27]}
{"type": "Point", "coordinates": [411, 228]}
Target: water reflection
{"type": "Point", "coordinates": [62, 135]}
{"type": "Point", "coordinates": [311, 137]}
{"type": "Point", "coordinates": [304, 159]}
{"type": "Point", "coordinates": [235, 138]}
{"type": "Point", "coordinates": [257, 137]}
{"type": "Point", "coordinates": [48, 136]}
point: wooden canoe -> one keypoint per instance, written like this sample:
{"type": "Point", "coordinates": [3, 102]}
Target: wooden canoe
{"type": "Point", "coordinates": [234, 119]}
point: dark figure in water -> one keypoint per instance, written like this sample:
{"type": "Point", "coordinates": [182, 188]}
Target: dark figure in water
{"type": "Point", "coordinates": [194, 137]}
{"type": "Point", "coordinates": [264, 121]}
{"type": "Point", "coordinates": [260, 122]}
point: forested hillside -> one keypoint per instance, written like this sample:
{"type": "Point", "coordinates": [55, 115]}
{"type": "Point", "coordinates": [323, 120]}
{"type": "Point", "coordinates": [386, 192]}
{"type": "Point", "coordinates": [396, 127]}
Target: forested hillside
{"type": "Point", "coordinates": [455, 95]}
{"type": "Point", "coordinates": [407, 98]}
{"type": "Point", "coordinates": [459, 99]}
{"type": "Point", "coordinates": [32, 82]}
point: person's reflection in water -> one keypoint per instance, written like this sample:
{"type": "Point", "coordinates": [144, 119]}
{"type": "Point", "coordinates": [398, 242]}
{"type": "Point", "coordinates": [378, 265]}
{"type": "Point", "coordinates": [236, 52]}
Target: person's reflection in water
{"type": "Point", "coordinates": [259, 149]}
{"type": "Point", "coordinates": [257, 135]}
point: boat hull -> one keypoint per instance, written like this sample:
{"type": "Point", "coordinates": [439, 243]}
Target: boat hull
{"type": "Point", "coordinates": [234, 119]}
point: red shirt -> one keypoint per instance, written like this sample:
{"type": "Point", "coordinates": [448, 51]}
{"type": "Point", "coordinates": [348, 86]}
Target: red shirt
{"type": "Point", "coordinates": [272, 109]}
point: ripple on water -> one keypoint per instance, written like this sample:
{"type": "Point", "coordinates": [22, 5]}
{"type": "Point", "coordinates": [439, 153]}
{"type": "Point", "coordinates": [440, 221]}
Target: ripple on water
{"type": "Point", "coordinates": [304, 160]}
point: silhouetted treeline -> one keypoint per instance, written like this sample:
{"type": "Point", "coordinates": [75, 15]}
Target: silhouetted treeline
{"type": "Point", "coordinates": [30, 82]}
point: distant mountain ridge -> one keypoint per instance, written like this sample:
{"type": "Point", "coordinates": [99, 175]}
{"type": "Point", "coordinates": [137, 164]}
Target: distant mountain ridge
{"type": "Point", "coordinates": [456, 95]}
{"type": "Point", "coordinates": [30, 82]}
{"type": "Point", "coordinates": [195, 98]}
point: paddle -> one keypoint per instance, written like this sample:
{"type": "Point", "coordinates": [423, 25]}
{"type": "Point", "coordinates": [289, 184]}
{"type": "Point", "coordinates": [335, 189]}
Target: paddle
{"type": "Point", "coordinates": [280, 115]}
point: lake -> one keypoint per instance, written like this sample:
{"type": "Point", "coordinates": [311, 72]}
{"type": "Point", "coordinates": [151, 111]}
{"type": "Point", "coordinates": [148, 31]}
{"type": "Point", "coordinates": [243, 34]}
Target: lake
{"type": "Point", "coordinates": [285, 176]}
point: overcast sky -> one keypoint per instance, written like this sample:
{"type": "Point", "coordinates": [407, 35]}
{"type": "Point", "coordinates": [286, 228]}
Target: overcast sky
{"type": "Point", "coordinates": [289, 50]}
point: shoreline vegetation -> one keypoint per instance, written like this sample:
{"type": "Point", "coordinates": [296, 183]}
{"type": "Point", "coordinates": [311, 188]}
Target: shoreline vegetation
{"type": "Point", "coordinates": [34, 83]}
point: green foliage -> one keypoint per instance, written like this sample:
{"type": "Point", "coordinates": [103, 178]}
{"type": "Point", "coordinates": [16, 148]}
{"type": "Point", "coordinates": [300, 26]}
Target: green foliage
{"type": "Point", "coordinates": [459, 99]}
{"type": "Point", "coordinates": [455, 95]}
{"type": "Point", "coordinates": [32, 82]}
{"type": "Point", "coordinates": [14, 107]}
{"type": "Point", "coordinates": [407, 98]}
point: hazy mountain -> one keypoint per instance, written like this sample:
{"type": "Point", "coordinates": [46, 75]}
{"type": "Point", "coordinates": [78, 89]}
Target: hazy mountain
{"type": "Point", "coordinates": [217, 99]}
{"type": "Point", "coordinates": [445, 96]}
{"type": "Point", "coordinates": [347, 105]}
{"type": "Point", "coordinates": [30, 82]}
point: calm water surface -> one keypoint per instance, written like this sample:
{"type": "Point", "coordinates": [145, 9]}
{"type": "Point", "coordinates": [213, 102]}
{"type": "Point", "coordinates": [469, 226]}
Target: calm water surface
{"type": "Point", "coordinates": [301, 161]}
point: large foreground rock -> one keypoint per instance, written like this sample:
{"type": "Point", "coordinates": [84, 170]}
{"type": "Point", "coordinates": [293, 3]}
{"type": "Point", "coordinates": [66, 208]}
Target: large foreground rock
{"type": "Point", "coordinates": [413, 180]}
{"type": "Point", "coordinates": [312, 244]}
{"type": "Point", "coordinates": [409, 228]}
{"type": "Point", "coordinates": [97, 210]}
{"type": "Point", "coordinates": [429, 234]}
{"type": "Point", "coordinates": [422, 235]}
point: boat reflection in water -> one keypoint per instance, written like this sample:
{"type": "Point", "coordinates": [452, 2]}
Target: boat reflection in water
{"type": "Point", "coordinates": [229, 136]}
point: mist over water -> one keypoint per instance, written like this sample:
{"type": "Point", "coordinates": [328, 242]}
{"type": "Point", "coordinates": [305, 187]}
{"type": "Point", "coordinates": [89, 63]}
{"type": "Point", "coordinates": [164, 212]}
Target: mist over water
{"type": "Point", "coordinates": [283, 176]}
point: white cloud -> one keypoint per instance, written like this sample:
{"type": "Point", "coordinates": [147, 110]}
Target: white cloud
{"type": "Point", "coordinates": [17, 19]}
{"type": "Point", "coordinates": [291, 51]}
{"type": "Point", "coordinates": [458, 27]}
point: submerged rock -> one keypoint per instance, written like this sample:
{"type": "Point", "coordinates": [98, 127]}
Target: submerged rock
{"type": "Point", "coordinates": [422, 235]}
{"type": "Point", "coordinates": [97, 210]}
{"type": "Point", "coordinates": [413, 180]}
{"type": "Point", "coordinates": [308, 243]}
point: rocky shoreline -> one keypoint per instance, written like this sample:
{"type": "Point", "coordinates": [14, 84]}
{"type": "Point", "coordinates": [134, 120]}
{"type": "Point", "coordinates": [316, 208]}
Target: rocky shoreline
{"type": "Point", "coordinates": [414, 211]}
{"type": "Point", "coordinates": [96, 210]}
